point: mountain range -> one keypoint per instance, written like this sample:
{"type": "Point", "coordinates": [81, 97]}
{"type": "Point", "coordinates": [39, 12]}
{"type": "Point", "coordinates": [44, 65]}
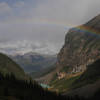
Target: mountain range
{"type": "Point", "coordinates": [34, 63]}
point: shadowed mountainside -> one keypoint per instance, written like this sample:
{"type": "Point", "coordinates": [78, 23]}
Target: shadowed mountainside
{"type": "Point", "coordinates": [13, 89]}
{"type": "Point", "coordinates": [8, 66]}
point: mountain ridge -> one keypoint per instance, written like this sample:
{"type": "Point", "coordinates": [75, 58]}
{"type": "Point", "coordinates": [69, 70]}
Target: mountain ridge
{"type": "Point", "coordinates": [8, 66]}
{"type": "Point", "coordinates": [35, 64]}
{"type": "Point", "coordinates": [81, 50]}
{"type": "Point", "coordinates": [81, 46]}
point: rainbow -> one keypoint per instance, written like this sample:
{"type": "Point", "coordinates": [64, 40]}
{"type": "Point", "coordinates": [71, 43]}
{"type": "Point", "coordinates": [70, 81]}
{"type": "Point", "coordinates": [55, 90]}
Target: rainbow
{"type": "Point", "coordinates": [88, 29]}
{"type": "Point", "coordinates": [82, 28]}
{"type": "Point", "coordinates": [43, 21]}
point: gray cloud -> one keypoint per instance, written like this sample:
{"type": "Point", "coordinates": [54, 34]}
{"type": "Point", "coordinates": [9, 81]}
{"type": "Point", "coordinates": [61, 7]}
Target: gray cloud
{"type": "Point", "coordinates": [42, 25]}
{"type": "Point", "coordinates": [5, 9]}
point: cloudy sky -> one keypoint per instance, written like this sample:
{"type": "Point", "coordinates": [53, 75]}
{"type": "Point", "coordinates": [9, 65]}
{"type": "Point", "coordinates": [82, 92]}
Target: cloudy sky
{"type": "Point", "coordinates": [41, 25]}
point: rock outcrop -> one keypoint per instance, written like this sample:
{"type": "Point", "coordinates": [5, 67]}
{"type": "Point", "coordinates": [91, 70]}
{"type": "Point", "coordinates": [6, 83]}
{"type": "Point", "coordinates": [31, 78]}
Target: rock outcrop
{"type": "Point", "coordinates": [81, 48]}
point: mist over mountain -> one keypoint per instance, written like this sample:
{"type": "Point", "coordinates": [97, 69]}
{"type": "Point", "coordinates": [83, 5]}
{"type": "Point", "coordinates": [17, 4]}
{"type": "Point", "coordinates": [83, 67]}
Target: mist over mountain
{"type": "Point", "coordinates": [21, 47]}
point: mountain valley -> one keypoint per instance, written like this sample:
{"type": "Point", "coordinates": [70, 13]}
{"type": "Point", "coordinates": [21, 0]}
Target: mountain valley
{"type": "Point", "coordinates": [34, 63]}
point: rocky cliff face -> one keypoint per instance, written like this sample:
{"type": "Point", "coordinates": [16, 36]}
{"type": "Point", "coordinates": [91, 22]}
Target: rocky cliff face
{"type": "Point", "coordinates": [81, 48]}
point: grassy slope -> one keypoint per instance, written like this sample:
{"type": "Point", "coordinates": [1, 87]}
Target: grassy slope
{"type": "Point", "coordinates": [9, 66]}
{"type": "Point", "coordinates": [91, 75]}
{"type": "Point", "coordinates": [63, 85]}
